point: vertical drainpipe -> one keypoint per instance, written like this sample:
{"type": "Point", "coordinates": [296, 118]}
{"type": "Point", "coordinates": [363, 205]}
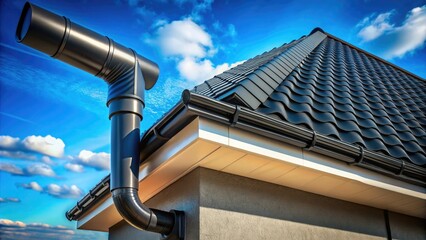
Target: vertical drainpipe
{"type": "Point", "coordinates": [128, 75]}
{"type": "Point", "coordinates": [125, 102]}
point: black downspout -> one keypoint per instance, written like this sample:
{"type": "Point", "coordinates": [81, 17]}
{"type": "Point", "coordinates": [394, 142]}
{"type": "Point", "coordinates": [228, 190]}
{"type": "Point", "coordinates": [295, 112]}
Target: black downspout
{"type": "Point", "coordinates": [387, 223]}
{"type": "Point", "coordinates": [125, 102]}
{"type": "Point", "coordinates": [128, 75]}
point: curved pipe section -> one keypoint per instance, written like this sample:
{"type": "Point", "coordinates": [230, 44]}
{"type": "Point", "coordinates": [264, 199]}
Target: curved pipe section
{"type": "Point", "coordinates": [139, 215]}
{"type": "Point", "coordinates": [128, 75]}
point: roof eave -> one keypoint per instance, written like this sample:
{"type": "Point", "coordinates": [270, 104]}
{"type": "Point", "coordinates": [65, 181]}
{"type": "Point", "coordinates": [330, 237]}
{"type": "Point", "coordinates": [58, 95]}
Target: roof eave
{"type": "Point", "coordinates": [302, 137]}
{"type": "Point", "coordinates": [193, 105]}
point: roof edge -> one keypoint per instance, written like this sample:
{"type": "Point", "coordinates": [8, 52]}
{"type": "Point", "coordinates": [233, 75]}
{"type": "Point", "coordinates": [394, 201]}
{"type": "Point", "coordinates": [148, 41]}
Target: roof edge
{"type": "Point", "coordinates": [259, 123]}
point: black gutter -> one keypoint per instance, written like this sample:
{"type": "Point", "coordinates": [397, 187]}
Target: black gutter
{"type": "Point", "coordinates": [194, 105]}
{"type": "Point", "coordinates": [89, 200]}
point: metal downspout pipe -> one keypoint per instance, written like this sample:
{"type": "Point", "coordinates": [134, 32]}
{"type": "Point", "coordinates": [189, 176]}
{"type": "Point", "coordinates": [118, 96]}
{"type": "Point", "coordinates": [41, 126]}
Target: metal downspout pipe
{"type": "Point", "coordinates": [128, 75]}
{"type": "Point", "coordinates": [126, 102]}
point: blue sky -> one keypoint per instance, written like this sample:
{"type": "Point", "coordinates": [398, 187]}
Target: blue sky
{"type": "Point", "coordinates": [54, 127]}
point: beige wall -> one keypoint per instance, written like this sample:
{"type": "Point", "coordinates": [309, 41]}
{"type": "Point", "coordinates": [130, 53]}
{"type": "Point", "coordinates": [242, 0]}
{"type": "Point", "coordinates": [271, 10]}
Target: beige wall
{"type": "Point", "coordinates": [225, 206]}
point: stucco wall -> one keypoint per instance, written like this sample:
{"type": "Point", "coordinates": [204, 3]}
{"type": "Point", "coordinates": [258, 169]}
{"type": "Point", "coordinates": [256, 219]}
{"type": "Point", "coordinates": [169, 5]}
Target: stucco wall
{"type": "Point", "coordinates": [405, 227]}
{"type": "Point", "coordinates": [234, 207]}
{"type": "Point", "coordinates": [225, 206]}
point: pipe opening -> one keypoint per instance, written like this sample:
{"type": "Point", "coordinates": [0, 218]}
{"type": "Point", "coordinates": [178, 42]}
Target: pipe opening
{"type": "Point", "coordinates": [24, 22]}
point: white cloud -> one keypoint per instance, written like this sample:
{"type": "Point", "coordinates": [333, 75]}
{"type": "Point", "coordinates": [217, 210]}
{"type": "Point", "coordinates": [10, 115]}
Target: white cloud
{"type": "Point", "coordinates": [99, 161]}
{"type": "Point", "coordinates": [33, 186]}
{"type": "Point", "coordinates": [8, 142]}
{"type": "Point", "coordinates": [13, 199]}
{"type": "Point", "coordinates": [55, 190]}
{"type": "Point", "coordinates": [40, 169]}
{"type": "Point", "coordinates": [17, 155]}
{"type": "Point", "coordinates": [63, 191]}
{"type": "Point", "coordinates": [47, 145]}
{"type": "Point", "coordinates": [10, 229]}
{"type": "Point", "coordinates": [7, 200]}
{"type": "Point", "coordinates": [11, 168]}
{"type": "Point", "coordinates": [158, 23]}
{"type": "Point", "coordinates": [198, 71]}
{"type": "Point", "coordinates": [15, 148]}
{"type": "Point", "coordinates": [192, 47]}
{"type": "Point", "coordinates": [35, 169]}
{"type": "Point", "coordinates": [229, 31]}
{"type": "Point", "coordinates": [8, 222]}
{"type": "Point", "coordinates": [47, 160]}
{"type": "Point", "coordinates": [74, 167]}
{"type": "Point", "coordinates": [201, 7]}
{"type": "Point", "coordinates": [373, 28]}
{"type": "Point", "coordinates": [183, 38]}
{"type": "Point", "coordinates": [392, 41]}
{"type": "Point", "coordinates": [40, 225]}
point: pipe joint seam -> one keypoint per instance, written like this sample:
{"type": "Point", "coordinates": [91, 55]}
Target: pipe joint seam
{"type": "Point", "coordinates": [126, 105]}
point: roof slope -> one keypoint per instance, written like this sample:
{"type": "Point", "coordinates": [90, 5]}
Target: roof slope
{"type": "Point", "coordinates": [329, 86]}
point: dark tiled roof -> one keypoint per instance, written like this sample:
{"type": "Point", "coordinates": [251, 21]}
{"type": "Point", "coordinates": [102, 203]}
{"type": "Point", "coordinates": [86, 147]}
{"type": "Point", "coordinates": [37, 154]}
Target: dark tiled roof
{"type": "Point", "coordinates": [327, 85]}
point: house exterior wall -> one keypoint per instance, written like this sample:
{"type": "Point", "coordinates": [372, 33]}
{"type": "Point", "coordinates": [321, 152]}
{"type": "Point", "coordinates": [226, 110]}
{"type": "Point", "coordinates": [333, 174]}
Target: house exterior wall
{"type": "Point", "coordinates": [224, 206]}
{"type": "Point", "coordinates": [406, 227]}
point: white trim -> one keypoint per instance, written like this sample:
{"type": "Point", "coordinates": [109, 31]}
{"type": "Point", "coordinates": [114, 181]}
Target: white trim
{"type": "Point", "coordinates": [256, 144]}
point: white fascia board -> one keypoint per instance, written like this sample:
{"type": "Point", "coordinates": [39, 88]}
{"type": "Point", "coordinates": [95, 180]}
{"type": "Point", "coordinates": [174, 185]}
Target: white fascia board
{"type": "Point", "coordinates": [259, 145]}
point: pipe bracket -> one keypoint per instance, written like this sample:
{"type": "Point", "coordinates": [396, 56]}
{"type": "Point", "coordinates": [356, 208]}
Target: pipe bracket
{"type": "Point", "coordinates": [235, 116]}
{"type": "Point", "coordinates": [178, 231]}
{"type": "Point", "coordinates": [360, 158]}
{"type": "Point", "coordinates": [402, 168]}
{"type": "Point", "coordinates": [159, 136]}
{"type": "Point", "coordinates": [313, 142]}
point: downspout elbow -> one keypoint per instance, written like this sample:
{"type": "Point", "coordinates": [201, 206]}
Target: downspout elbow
{"type": "Point", "coordinates": [127, 202]}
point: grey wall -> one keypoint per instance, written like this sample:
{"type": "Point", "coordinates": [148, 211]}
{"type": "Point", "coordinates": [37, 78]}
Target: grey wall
{"type": "Point", "coordinates": [405, 227]}
{"type": "Point", "coordinates": [231, 206]}
{"type": "Point", "coordinates": [225, 206]}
